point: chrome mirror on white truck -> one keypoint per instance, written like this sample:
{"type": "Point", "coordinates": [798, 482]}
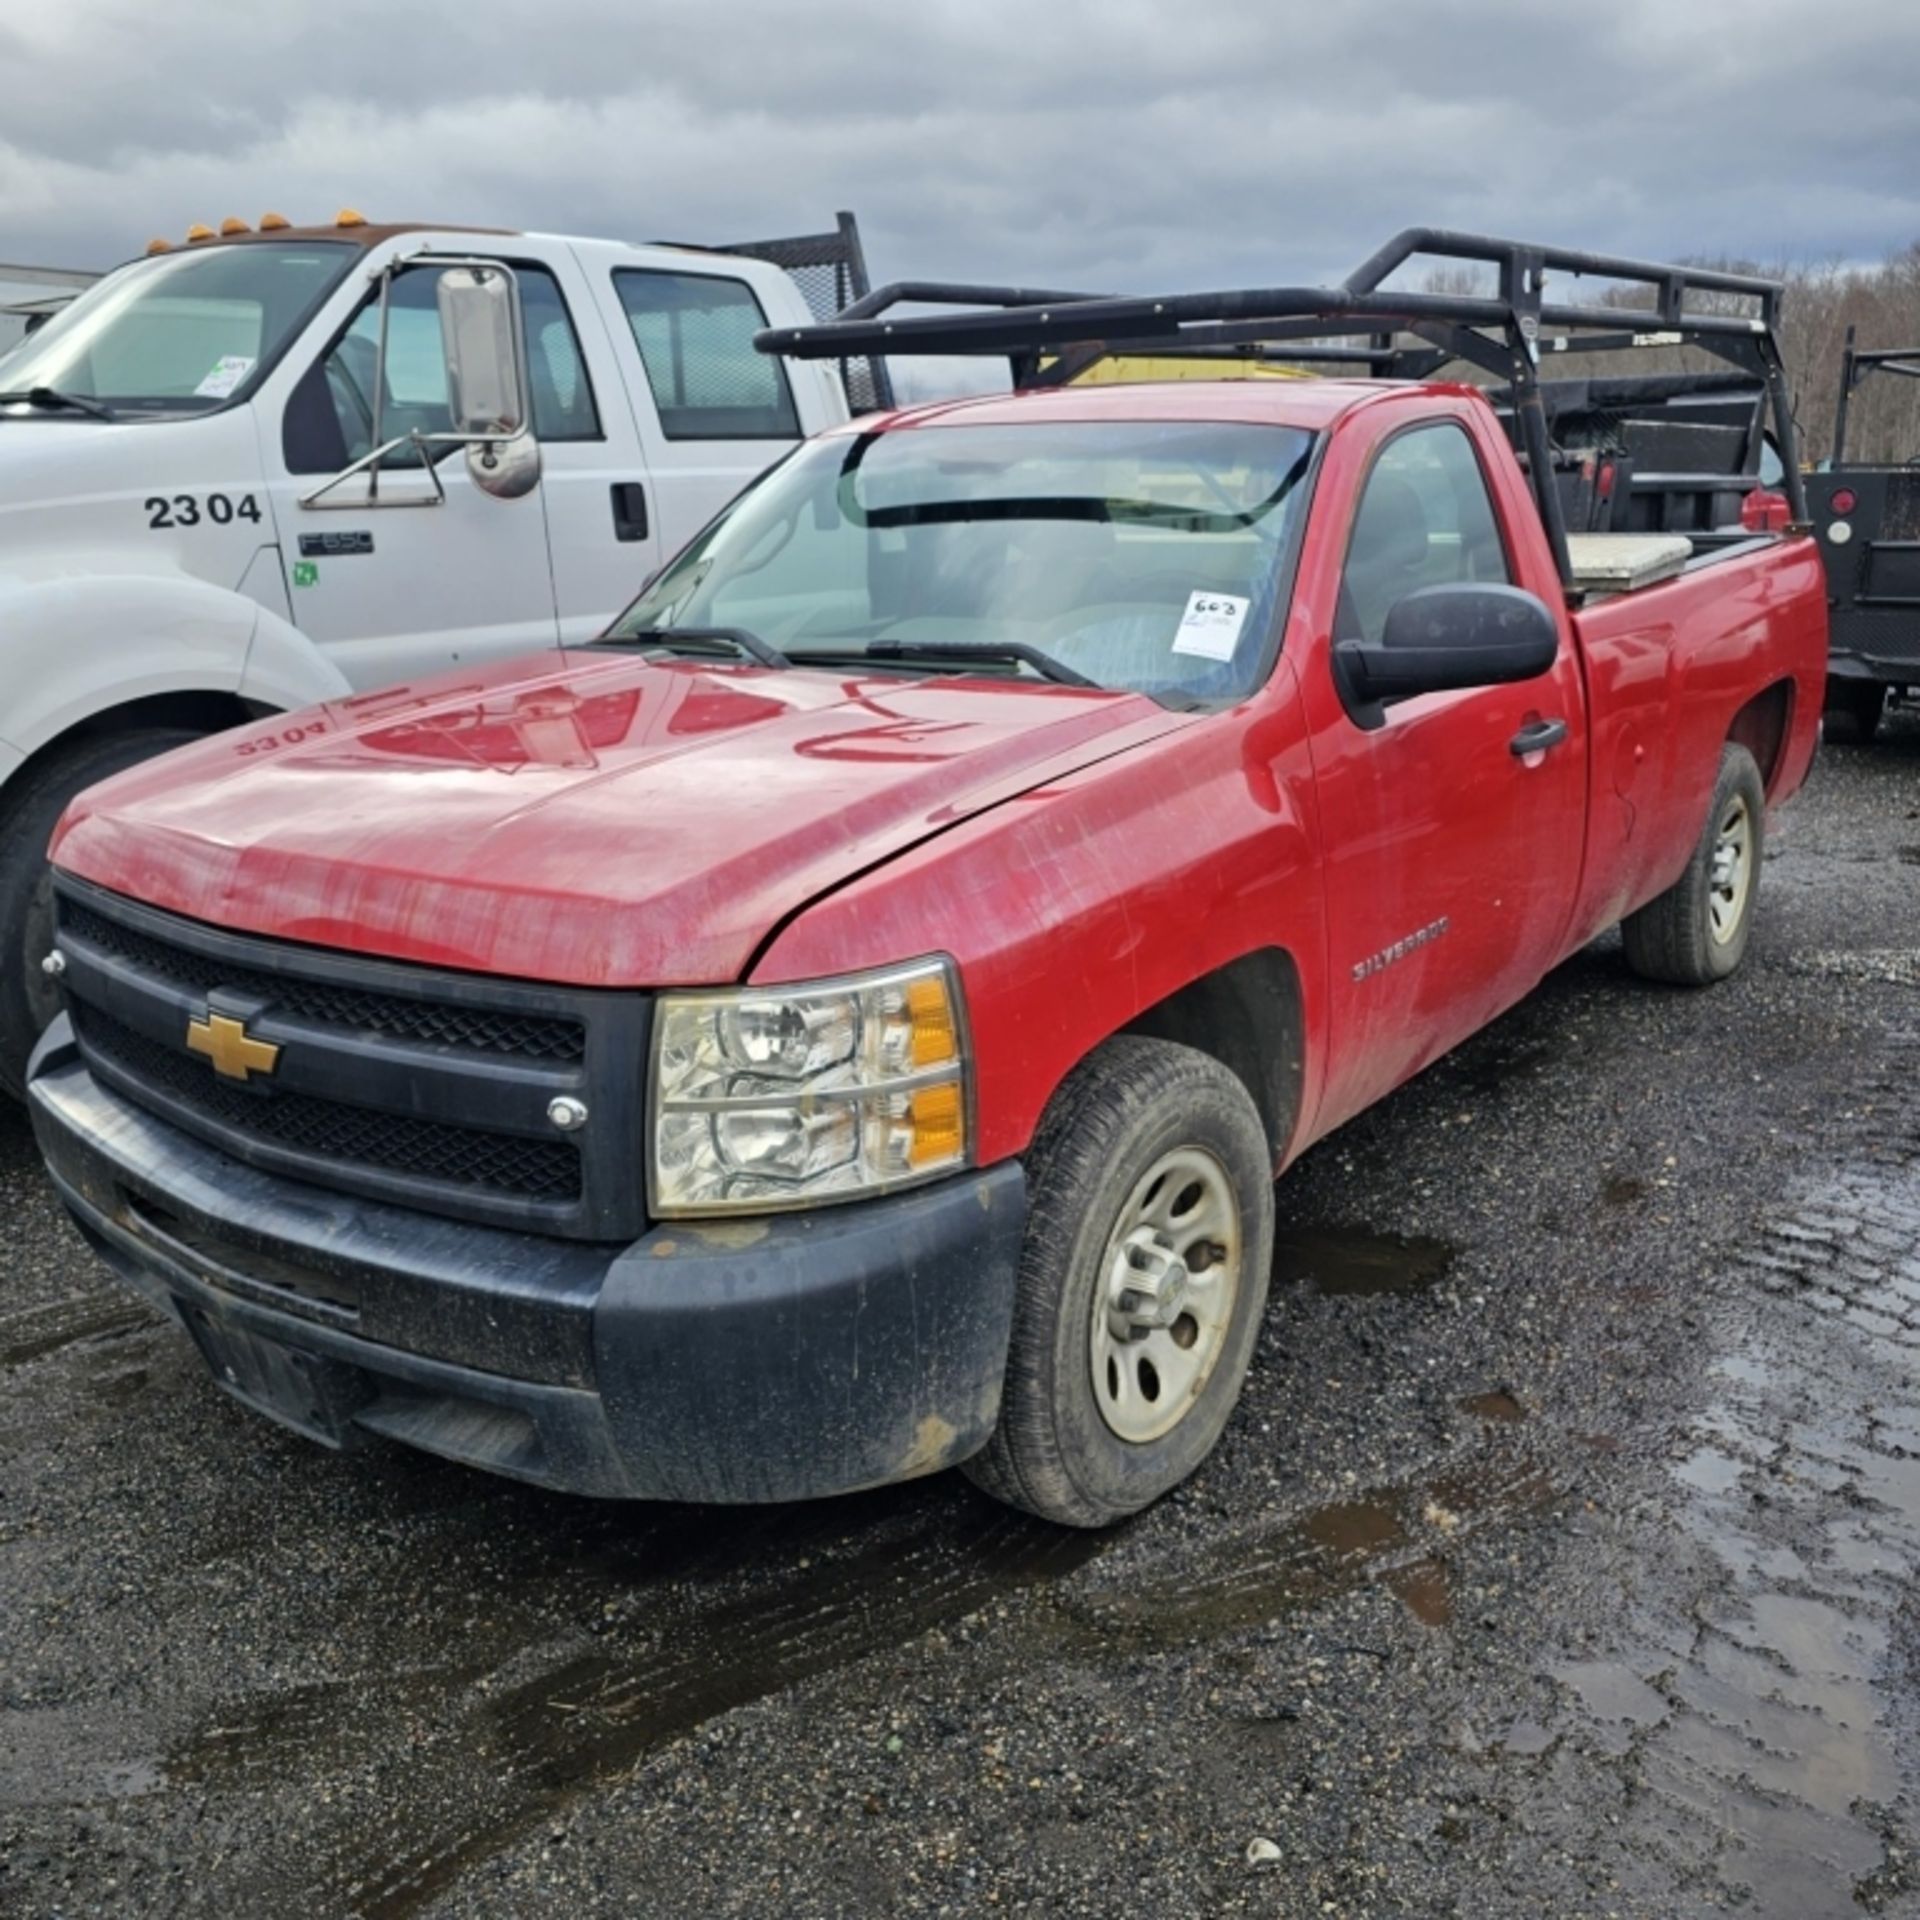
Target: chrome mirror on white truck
{"type": "Point", "coordinates": [486, 377]}
{"type": "Point", "coordinates": [486, 383]}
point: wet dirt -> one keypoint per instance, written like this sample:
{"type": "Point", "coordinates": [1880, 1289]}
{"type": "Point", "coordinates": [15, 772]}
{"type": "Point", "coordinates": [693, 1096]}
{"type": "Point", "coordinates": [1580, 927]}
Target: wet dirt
{"type": "Point", "coordinates": [1561, 1561]}
{"type": "Point", "coordinates": [1351, 1260]}
{"type": "Point", "coordinates": [1498, 1405]}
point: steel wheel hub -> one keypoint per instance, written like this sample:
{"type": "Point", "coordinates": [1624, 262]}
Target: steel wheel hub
{"type": "Point", "coordinates": [1730, 871]}
{"type": "Point", "coordinates": [1168, 1279]}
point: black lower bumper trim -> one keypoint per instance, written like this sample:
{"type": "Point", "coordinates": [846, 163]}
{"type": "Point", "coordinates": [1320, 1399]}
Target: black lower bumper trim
{"type": "Point", "coordinates": [760, 1360]}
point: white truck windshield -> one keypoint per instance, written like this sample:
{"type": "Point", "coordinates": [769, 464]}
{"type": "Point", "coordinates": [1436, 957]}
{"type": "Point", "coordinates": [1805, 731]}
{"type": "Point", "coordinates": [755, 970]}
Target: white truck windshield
{"type": "Point", "coordinates": [180, 333]}
{"type": "Point", "coordinates": [1142, 555]}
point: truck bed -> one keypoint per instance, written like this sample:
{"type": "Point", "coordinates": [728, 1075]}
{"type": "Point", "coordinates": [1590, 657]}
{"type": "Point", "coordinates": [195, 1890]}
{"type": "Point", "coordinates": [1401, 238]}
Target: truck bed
{"type": "Point", "coordinates": [1668, 668]}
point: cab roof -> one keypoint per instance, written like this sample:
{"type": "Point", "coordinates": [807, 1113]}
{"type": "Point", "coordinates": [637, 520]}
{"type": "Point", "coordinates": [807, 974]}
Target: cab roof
{"type": "Point", "coordinates": [366, 234]}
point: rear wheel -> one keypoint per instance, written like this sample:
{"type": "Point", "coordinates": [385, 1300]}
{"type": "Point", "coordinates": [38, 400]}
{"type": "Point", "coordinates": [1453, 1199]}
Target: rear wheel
{"type": "Point", "coordinates": [1853, 711]}
{"type": "Point", "coordinates": [29, 811]}
{"type": "Point", "coordinates": [1697, 931]}
{"type": "Point", "coordinates": [1142, 1283]}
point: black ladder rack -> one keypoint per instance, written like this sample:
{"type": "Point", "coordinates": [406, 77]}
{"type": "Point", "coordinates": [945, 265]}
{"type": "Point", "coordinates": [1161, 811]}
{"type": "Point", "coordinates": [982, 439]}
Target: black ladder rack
{"type": "Point", "coordinates": [1049, 335]}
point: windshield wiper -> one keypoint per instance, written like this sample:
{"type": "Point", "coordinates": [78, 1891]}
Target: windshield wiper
{"type": "Point", "coordinates": [706, 643]}
{"type": "Point", "coordinates": [1043, 664]}
{"type": "Point", "coordinates": [52, 400]}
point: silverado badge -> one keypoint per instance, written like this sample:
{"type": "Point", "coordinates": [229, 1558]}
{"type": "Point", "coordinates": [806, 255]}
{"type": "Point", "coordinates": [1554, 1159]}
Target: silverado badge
{"type": "Point", "coordinates": [234, 1052]}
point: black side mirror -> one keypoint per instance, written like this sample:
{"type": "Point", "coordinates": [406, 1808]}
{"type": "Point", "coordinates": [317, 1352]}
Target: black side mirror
{"type": "Point", "coordinates": [1441, 638]}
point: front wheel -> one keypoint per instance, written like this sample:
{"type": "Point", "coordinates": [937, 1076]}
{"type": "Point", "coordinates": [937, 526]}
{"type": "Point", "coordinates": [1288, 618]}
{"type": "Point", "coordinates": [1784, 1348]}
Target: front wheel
{"type": "Point", "coordinates": [1142, 1283]}
{"type": "Point", "coordinates": [30, 809]}
{"type": "Point", "coordinates": [1697, 931]}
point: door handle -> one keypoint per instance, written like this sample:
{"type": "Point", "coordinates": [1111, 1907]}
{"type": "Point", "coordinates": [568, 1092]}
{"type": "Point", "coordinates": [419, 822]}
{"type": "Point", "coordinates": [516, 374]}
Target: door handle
{"type": "Point", "coordinates": [629, 510]}
{"type": "Point", "coordinates": [1536, 737]}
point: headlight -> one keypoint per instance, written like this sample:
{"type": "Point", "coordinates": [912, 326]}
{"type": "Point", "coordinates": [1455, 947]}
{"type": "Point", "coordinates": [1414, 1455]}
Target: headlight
{"type": "Point", "coordinates": [774, 1097]}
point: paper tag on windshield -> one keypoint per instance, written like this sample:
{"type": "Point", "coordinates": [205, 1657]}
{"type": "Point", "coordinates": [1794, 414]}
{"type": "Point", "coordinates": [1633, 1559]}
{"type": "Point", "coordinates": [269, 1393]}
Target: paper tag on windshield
{"type": "Point", "coordinates": [228, 372]}
{"type": "Point", "coordinates": [1211, 625]}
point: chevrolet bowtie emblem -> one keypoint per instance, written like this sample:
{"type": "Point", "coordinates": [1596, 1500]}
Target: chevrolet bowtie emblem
{"type": "Point", "coordinates": [233, 1051]}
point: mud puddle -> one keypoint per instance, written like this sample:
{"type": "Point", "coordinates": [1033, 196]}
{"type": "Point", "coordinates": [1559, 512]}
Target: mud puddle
{"type": "Point", "coordinates": [1351, 1260]}
{"type": "Point", "coordinates": [511, 1740]}
{"type": "Point", "coordinates": [514, 1741]}
{"type": "Point", "coordinates": [1760, 1723]}
{"type": "Point", "coordinates": [1398, 1535]}
{"type": "Point", "coordinates": [1500, 1407]}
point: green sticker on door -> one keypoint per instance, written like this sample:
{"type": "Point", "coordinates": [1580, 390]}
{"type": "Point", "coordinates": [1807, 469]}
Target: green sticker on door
{"type": "Point", "coordinates": [306, 573]}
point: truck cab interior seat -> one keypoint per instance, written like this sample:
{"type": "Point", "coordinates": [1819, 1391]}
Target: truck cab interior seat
{"type": "Point", "coordinates": [1387, 558]}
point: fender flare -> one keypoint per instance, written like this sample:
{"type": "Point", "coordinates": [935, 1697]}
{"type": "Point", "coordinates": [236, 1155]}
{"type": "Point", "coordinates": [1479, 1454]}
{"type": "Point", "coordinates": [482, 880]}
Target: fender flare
{"type": "Point", "coordinates": [74, 645]}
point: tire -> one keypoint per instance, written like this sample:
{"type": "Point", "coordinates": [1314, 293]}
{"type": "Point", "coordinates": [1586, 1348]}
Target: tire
{"type": "Point", "coordinates": [1853, 712]}
{"type": "Point", "coordinates": [1697, 931]}
{"type": "Point", "coordinates": [1132, 1120]}
{"type": "Point", "coordinates": [29, 812]}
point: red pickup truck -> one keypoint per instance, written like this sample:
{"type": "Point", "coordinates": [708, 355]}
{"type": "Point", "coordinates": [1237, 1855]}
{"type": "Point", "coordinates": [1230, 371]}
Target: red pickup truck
{"type": "Point", "coordinates": [849, 1020]}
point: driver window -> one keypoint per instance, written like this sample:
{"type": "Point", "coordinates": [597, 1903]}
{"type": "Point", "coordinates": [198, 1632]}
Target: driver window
{"type": "Point", "coordinates": [1424, 520]}
{"type": "Point", "coordinates": [329, 421]}
{"type": "Point", "coordinates": [416, 396]}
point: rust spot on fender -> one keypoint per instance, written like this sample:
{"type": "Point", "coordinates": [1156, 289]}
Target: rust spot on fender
{"type": "Point", "coordinates": [731, 1234]}
{"type": "Point", "coordinates": [665, 1249]}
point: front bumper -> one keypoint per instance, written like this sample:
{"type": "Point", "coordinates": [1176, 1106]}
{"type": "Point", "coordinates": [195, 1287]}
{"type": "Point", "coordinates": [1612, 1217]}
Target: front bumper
{"type": "Point", "coordinates": [758, 1360]}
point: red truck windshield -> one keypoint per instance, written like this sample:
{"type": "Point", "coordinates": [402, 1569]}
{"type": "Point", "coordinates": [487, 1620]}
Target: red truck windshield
{"type": "Point", "coordinates": [1143, 555]}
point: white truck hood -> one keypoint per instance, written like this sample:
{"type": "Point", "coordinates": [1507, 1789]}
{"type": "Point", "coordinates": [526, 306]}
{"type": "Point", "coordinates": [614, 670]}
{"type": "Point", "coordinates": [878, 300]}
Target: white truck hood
{"type": "Point", "coordinates": [83, 495]}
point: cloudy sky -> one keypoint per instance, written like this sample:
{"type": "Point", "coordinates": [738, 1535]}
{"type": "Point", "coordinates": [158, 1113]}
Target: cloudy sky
{"type": "Point", "coordinates": [1129, 144]}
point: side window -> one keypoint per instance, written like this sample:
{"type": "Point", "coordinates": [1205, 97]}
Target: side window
{"type": "Point", "coordinates": [416, 375]}
{"type": "Point", "coordinates": [330, 417]}
{"type": "Point", "coordinates": [563, 406]}
{"type": "Point", "coordinates": [1425, 520]}
{"type": "Point", "coordinates": [695, 335]}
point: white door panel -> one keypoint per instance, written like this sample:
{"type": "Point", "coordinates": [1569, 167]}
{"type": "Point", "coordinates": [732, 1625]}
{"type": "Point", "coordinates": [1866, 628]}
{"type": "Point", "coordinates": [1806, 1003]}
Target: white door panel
{"type": "Point", "coordinates": [392, 591]}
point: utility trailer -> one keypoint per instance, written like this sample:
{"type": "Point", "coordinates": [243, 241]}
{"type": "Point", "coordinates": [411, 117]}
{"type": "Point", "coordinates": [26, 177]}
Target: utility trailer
{"type": "Point", "coordinates": [1868, 513]}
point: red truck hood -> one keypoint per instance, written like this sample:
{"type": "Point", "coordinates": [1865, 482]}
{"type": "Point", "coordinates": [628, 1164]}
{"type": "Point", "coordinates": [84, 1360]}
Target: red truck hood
{"type": "Point", "coordinates": [611, 822]}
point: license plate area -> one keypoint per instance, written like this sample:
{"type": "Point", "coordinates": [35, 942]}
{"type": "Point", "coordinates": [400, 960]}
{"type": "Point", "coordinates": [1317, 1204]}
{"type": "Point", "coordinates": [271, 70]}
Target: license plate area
{"type": "Point", "coordinates": [315, 1397]}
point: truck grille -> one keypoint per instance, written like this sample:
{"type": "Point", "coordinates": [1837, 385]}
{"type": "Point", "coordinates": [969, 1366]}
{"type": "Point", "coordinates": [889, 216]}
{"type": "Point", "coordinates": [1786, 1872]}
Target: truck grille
{"type": "Point", "coordinates": [335, 1132]}
{"type": "Point", "coordinates": [411, 1084]}
{"type": "Point", "coordinates": [536, 1036]}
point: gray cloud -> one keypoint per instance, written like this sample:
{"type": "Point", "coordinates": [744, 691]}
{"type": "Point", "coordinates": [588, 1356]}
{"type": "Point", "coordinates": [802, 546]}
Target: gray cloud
{"type": "Point", "coordinates": [1123, 145]}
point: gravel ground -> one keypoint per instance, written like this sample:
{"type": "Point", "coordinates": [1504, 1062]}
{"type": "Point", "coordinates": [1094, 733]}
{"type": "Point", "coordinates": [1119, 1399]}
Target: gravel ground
{"type": "Point", "coordinates": [1561, 1560]}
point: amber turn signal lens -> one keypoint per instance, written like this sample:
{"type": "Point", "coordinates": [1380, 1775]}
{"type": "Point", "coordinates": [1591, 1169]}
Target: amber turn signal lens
{"type": "Point", "coordinates": [939, 1125]}
{"type": "Point", "coordinates": [934, 1040]}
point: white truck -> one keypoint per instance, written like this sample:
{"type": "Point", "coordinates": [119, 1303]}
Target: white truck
{"type": "Point", "coordinates": [270, 467]}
